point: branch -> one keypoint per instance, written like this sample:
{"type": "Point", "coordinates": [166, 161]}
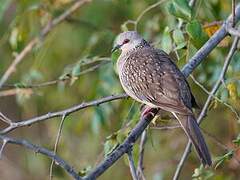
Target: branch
{"type": "Point", "coordinates": [5, 118]}
{"type": "Point", "coordinates": [140, 167]}
{"type": "Point", "coordinates": [34, 41]}
{"type": "Point", "coordinates": [43, 151]}
{"type": "Point", "coordinates": [213, 41]}
{"type": "Point", "coordinates": [216, 98]}
{"type": "Point", "coordinates": [56, 143]}
{"type": "Point", "coordinates": [205, 108]}
{"type": "Point", "coordinates": [131, 165]}
{"type": "Point", "coordinates": [9, 92]}
{"type": "Point", "coordinates": [122, 148]}
{"type": "Point", "coordinates": [66, 112]}
{"type": "Point", "coordinates": [135, 22]}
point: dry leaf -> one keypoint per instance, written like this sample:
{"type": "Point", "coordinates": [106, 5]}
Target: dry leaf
{"type": "Point", "coordinates": [211, 28]}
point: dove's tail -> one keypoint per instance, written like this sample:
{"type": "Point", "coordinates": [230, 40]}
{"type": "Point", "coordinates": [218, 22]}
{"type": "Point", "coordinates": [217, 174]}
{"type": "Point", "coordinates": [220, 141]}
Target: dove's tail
{"type": "Point", "coordinates": [191, 128]}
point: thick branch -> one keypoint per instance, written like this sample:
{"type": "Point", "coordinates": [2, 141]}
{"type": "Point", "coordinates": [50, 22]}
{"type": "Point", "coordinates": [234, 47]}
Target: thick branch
{"type": "Point", "coordinates": [28, 48]}
{"type": "Point", "coordinates": [124, 147]}
{"type": "Point", "coordinates": [204, 51]}
{"type": "Point", "coordinates": [43, 151]}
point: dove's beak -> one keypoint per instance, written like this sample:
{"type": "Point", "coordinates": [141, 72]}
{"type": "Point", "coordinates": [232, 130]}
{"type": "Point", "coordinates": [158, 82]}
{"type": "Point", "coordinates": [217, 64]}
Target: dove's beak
{"type": "Point", "coordinates": [116, 48]}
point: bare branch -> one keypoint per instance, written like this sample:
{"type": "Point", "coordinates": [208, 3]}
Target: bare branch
{"type": "Point", "coordinates": [131, 164]}
{"type": "Point", "coordinates": [233, 31]}
{"type": "Point", "coordinates": [34, 41]}
{"type": "Point", "coordinates": [4, 143]}
{"type": "Point", "coordinates": [165, 127]}
{"type": "Point", "coordinates": [140, 167]}
{"type": "Point", "coordinates": [56, 144]}
{"type": "Point", "coordinates": [205, 108]}
{"type": "Point", "coordinates": [61, 113]}
{"type": "Point", "coordinates": [10, 92]}
{"type": "Point", "coordinates": [124, 147]}
{"type": "Point", "coordinates": [135, 22]}
{"type": "Point", "coordinates": [215, 97]}
{"type": "Point", "coordinates": [233, 13]}
{"type": "Point", "coordinates": [43, 151]}
{"type": "Point", "coordinates": [5, 118]}
{"type": "Point", "coordinates": [146, 10]}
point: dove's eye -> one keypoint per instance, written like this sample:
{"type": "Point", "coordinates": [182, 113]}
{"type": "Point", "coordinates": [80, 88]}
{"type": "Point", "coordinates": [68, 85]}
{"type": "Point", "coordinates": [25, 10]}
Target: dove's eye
{"type": "Point", "coordinates": [126, 41]}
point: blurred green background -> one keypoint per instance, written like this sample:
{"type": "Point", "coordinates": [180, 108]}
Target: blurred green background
{"type": "Point", "coordinates": [84, 41]}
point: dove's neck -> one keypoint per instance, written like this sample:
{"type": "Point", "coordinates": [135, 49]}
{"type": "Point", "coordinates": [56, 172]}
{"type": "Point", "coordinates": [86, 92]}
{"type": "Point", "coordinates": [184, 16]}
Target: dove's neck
{"type": "Point", "coordinates": [127, 52]}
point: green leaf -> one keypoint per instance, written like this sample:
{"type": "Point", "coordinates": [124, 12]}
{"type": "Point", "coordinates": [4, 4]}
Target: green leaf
{"type": "Point", "coordinates": [178, 36]}
{"type": "Point", "coordinates": [221, 159]}
{"type": "Point", "coordinates": [76, 70]}
{"type": "Point", "coordinates": [202, 173]}
{"type": "Point", "coordinates": [13, 40]}
{"type": "Point", "coordinates": [166, 42]}
{"type": "Point", "coordinates": [20, 85]}
{"type": "Point", "coordinates": [115, 55]}
{"type": "Point", "coordinates": [180, 9]}
{"type": "Point", "coordinates": [179, 39]}
{"type": "Point", "coordinates": [110, 144]}
{"type": "Point", "coordinates": [122, 134]}
{"type": "Point", "coordinates": [237, 140]}
{"type": "Point", "coordinates": [31, 76]}
{"type": "Point", "coordinates": [184, 7]}
{"type": "Point", "coordinates": [197, 36]}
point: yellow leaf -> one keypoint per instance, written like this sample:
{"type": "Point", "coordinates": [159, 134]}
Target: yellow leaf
{"type": "Point", "coordinates": [211, 28]}
{"type": "Point", "coordinates": [232, 89]}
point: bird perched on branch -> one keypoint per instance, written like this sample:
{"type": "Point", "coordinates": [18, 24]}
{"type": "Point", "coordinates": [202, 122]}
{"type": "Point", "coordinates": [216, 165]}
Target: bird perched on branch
{"type": "Point", "coordinates": [149, 76]}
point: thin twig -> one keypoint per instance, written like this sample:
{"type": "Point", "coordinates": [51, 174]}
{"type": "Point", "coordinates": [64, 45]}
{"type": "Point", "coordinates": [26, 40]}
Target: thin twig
{"type": "Point", "coordinates": [215, 97]}
{"type": "Point", "coordinates": [43, 151]}
{"type": "Point", "coordinates": [146, 10]}
{"type": "Point", "coordinates": [205, 108]}
{"type": "Point", "coordinates": [165, 127]}
{"type": "Point", "coordinates": [131, 164]}
{"type": "Point", "coordinates": [28, 48]}
{"type": "Point", "coordinates": [53, 82]}
{"type": "Point", "coordinates": [13, 92]}
{"type": "Point", "coordinates": [135, 22]}
{"type": "Point", "coordinates": [4, 143]}
{"type": "Point", "coordinates": [56, 144]}
{"type": "Point", "coordinates": [61, 113]}
{"type": "Point", "coordinates": [140, 167]}
{"type": "Point", "coordinates": [5, 118]}
{"type": "Point", "coordinates": [220, 144]}
{"type": "Point", "coordinates": [233, 13]}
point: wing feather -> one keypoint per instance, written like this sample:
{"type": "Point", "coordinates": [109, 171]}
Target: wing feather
{"type": "Point", "coordinates": [151, 77]}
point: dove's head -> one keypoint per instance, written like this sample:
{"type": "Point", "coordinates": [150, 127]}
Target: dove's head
{"type": "Point", "coordinates": [128, 41]}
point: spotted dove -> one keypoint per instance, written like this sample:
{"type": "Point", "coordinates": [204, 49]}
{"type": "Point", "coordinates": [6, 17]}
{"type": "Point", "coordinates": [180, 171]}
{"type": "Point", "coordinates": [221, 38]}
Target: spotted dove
{"type": "Point", "coordinates": [149, 76]}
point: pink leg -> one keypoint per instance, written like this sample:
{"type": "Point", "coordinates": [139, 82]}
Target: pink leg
{"type": "Point", "coordinates": [146, 110]}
